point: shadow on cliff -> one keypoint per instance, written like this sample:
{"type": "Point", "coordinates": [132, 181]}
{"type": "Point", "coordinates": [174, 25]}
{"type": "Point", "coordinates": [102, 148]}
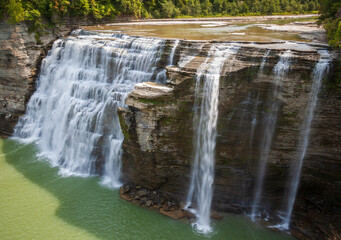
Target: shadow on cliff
{"type": "Point", "coordinates": [83, 202]}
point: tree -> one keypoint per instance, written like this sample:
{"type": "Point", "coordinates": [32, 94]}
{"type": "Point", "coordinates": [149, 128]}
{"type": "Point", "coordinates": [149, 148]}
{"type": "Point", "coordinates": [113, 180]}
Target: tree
{"type": "Point", "coordinates": [206, 8]}
{"type": "Point", "coordinates": [331, 19]}
{"type": "Point", "coordinates": [168, 9]}
{"type": "Point", "coordinates": [15, 11]}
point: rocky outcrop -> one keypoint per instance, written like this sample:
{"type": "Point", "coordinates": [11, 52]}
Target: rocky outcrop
{"type": "Point", "coordinates": [158, 129]}
{"type": "Point", "coordinates": [20, 58]}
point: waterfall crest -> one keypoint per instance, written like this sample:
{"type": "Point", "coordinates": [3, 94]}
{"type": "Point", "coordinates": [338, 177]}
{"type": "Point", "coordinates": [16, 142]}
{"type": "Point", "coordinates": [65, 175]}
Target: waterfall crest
{"type": "Point", "coordinates": [205, 125]}
{"type": "Point", "coordinates": [72, 116]}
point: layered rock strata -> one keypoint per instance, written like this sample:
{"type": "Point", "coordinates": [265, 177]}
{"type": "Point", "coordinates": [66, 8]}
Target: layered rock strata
{"type": "Point", "coordinates": [158, 126]}
{"type": "Point", "coordinates": [158, 150]}
{"type": "Point", "coordinates": [20, 57]}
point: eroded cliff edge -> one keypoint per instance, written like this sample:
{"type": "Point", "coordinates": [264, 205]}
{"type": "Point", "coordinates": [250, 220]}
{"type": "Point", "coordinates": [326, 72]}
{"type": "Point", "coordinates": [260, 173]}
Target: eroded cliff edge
{"type": "Point", "coordinates": [20, 58]}
{"type": "Point", "coordinates": [158, 126]}
{"type": "Point", "coordinates": [158, 129]}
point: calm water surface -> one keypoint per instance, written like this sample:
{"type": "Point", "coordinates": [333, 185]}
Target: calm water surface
{"type": "Point", "coordinates": [210, 30]}
{"type": "Point", "coordinates": [36, 203]}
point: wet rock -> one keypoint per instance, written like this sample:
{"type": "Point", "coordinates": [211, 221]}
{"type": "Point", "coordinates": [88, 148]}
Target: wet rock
{"type": "Point", "coordinates": [126, 189]}
{"type": "Point", "coordinates": [190, 215]}
{"type": "Point", "coordinates": [149, 203]}
{"type": "Point", "coordinates": [215, 215]}
{"type": "Point", "coordinates": [161, 132]}
{"type": "Point", "coordinates": [144, 199]}
{"type": "Point", "coordinates": [142, 193]}
{"type": "Point", "coordinates": [137, 197]}
{"type": "Point", "coordinates": [176, 214]}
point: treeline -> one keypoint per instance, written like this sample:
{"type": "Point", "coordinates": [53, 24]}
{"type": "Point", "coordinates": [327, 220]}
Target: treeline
{"type": "Point", "coordinates": [41, 13]}
{"type": "Point", "coordinates": [331, 19]}
{"type": "Point", "coordinates": [204, 8]}
{"type": "Point", "coordinates": [19, 10]}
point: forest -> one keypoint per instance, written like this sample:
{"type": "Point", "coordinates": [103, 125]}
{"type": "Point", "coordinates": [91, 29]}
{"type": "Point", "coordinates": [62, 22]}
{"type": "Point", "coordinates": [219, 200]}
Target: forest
{"type": "Point", "coordinates": [40, 13]}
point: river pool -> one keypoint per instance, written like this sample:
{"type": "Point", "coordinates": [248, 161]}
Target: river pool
{"type": "Point", "coordinates": [36, 203]}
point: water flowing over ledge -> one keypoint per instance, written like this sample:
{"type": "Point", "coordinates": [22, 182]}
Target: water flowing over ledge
{"type": "Point", "coordinates": [320, 70]}
{"type": "Point", "coordinates": [270, 122]}
{"type": "Point", "coordinates": [86, 79]}
{"type": "Point", "coordinates": [205, 121]}
{"type": "Point", "coordinates": [73, 114]}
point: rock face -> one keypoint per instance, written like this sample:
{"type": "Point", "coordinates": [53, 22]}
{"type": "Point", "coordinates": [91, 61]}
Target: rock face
{"type": "Point", "coordinates": [158, 127]}
{"type": "Point", "coordinates": [20, 58]}
{"type": "Point", "coordinates": [158, 150]}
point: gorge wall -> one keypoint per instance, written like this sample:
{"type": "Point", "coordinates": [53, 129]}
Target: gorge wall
{"type": "Point", "coordinates": [20, 61]}
{"type": "Point", "coordinates": [158, 129]}
{"type": "Point", "coordinates": [157, 124]}
{"type": "Point", "coordinates": [20, 57]}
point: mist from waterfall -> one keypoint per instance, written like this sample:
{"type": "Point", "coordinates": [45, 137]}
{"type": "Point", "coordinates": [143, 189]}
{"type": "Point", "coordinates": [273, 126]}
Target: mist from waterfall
{"type": "Point", "coordinates": [72, 116]}
{"type": "Point", "coordinates": [321, 69]}
{"type": "Point", "coordinates": [200, 194]}
{"type": "Point", "coordinates": [270, 121]}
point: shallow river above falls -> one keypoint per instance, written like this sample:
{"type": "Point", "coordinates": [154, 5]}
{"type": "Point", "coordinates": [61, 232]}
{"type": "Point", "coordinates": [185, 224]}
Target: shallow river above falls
{"type": "Point", "coordinates": [255, 29]}
{"type": "Point", "coordinates": [36, 203]}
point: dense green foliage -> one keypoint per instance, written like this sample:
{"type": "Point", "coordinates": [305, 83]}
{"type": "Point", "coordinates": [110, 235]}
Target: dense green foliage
{"type": "Point", "coordinates": [38, 13]}
{"type": "Point", "coordinates": [331, 18]}
{"type": "Point", "coordinates": [32, 9]}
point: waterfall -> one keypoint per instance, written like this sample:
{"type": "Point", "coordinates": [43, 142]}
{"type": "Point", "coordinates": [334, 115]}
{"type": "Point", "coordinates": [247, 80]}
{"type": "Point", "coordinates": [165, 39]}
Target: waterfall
{"type": "Point", "coordinates": [320, 70]}
{"type": "Point", "coordinates": [72, 116]}
{"type": "Point", "coordinates": [270, 121]}
{"type": "Point", "coordinates": [254, 121]}
{"type": "Point", "coordinates": [161, 77]}
{"type": "Point", "coordinates": [171, 55]}
{"type": "Point", "coordinates": [264, 60]}
{"type": "Point", "coordinates": [205, 124]}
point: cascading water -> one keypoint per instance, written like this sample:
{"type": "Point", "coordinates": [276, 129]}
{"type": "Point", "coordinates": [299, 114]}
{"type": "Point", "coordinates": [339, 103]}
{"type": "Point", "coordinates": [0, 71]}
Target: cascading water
{"type": "Point", "coordinates": [320, 70]}
{"type": "Point", "coordinates": [254, 121]}
{"type": "Point", "coordinates": [161, 76]}
{"type": "Point", "coordinates": [171, 55]}
{"type": "Point", "coordinates": [270, 124]}
{"type": "Point", "coordinates": [73, 114]}
{"type": "Point", "coordinates": [264, 60]}
{"type": "Point", "coordinates": [205, 123]}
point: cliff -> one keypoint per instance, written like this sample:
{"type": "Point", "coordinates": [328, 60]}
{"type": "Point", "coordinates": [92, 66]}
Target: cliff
{"type": "Point", "coordinates": [158, 125]}
{"type": "Point", "coordinates": [20, 62]}
{"type": "Point", "coordinates": [158, 129]}
{"type": "Point", "coordinates": [20, 58]}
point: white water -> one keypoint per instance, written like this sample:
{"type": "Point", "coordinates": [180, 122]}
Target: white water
{"type": "Point", "coordinates": [320, 70]}
{"type": "Point", "coordinates": [171, 55]}
{"type": "Point", "coordinates": [72, 116]}
{"type": "Point", "coordinates": [264, 60]}
{"type": "Point", "coordinates": [270, 122]}
{"type": "Point", "coordinates": [161, 77]}
{"type": "Point", "coordinates": [205, 124]}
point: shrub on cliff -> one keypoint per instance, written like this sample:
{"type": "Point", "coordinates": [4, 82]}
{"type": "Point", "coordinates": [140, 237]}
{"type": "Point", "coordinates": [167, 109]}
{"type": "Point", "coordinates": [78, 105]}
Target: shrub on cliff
{"type": "Point", "coordinates": [331, 19]}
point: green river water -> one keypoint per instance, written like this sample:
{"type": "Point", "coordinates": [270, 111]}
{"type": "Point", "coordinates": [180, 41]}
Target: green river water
{"type": "Point", "coordinates": [36, 203]}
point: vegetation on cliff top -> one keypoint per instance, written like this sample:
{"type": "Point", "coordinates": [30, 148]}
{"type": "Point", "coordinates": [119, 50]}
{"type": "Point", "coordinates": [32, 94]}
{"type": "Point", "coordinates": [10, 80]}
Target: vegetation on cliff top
{"type": "Point", "coordinates": [19, 10]}
{"type": "Point", "coordinates": [38, 12]}
{"type": "Point", "coordinates": [331, 19]}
